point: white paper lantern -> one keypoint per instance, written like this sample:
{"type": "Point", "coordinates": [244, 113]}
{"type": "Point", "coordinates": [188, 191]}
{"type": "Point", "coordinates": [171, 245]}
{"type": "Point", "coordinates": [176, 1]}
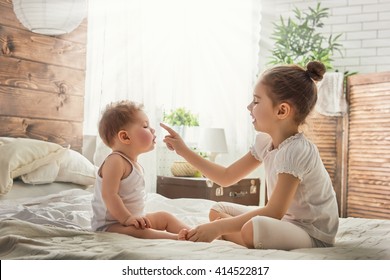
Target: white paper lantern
{"type": "Point", "coordinates": [50, 17]}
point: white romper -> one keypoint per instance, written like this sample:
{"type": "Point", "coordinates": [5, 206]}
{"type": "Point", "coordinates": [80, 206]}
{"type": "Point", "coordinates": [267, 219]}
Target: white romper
{"type": "Point", "coordinates": [131, 191]}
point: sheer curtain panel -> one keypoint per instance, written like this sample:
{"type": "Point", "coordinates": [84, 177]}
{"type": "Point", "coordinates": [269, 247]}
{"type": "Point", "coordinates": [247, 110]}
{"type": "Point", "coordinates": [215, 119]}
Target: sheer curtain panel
{"type": "Point", "coordinates": [197, 54]}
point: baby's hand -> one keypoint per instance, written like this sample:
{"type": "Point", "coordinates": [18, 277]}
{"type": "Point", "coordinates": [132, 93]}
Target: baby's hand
{"type": "Point", "coordinates": [182, 235]}
{"type": "Point", "coordinates": [138, 222]}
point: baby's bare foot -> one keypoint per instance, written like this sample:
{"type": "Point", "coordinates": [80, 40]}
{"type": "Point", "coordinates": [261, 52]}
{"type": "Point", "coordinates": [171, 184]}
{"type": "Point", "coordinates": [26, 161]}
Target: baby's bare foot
{"type": "Point", "coordinates": [182, 235]}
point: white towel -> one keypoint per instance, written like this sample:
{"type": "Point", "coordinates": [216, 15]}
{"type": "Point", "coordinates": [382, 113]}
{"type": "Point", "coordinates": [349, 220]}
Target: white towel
{"type": "Point", "coordinates": [331, 99]}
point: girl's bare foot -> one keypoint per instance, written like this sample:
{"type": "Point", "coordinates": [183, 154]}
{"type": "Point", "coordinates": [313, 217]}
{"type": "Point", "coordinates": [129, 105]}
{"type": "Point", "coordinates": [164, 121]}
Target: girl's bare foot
{"type": "Point", "coordinates": [182, 235]}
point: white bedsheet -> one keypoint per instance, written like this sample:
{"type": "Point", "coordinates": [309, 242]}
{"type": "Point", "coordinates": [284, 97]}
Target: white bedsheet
{"type": "Point", "coordinates": [57, 226]}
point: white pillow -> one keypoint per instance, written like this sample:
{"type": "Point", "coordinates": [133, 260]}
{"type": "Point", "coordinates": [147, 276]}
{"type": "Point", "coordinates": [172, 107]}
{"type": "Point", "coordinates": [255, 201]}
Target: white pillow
{"type": "Point", "coordinates": [22, 155]}
{"type": "Point", "coordinates": [70, 167]}
{"type": "Point", "coordinates": [42, 175]}
{"type": "Point", "coordinates": [76, 168]}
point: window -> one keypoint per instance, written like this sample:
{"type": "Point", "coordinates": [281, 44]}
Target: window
{"type": "Point", "coordinates": [197, 54]}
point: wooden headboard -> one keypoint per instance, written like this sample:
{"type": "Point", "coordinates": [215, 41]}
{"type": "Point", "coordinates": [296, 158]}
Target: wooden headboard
{"type": "Point", "coordinates": [42, 82]}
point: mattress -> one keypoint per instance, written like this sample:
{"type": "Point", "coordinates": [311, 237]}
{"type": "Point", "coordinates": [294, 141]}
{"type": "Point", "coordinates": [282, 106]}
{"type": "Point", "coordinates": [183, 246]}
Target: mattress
{"type": "Point", "coordinates": [56, 225]}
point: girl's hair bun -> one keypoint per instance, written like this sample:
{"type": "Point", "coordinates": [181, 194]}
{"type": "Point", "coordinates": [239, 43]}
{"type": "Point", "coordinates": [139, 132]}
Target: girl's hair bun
{"type": "Point", "coordinates": [316, 70]}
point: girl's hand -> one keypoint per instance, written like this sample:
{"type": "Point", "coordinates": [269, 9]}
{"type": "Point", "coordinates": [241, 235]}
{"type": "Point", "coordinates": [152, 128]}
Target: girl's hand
{"type": "Point", "coordinates": [138, 222]}
{"type": "Point", "coordinates": [203, 233]}
{"type": "Point", "coordinates": [173, 141]}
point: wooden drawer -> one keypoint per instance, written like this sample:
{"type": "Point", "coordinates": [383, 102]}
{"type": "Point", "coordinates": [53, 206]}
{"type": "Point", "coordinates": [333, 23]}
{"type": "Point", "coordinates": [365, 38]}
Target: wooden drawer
{"type": "Point", "coordinates": [244, 192]}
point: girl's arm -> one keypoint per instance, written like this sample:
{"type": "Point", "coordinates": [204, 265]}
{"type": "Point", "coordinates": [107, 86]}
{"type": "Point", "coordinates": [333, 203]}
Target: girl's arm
{"type": "Point", "coordinates": [223, 176]}
{"type": "Point", "coordinates": [112, 172]}
{"type": "Point", "coordinates": [276, 207]}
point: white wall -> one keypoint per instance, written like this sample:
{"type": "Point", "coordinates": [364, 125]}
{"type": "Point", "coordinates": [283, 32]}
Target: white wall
{"type": "Point", "coordinates": [365, 25]}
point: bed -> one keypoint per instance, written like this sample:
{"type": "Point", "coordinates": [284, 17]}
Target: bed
{"type": "Point", "coordinates": [45, 213]}
{"type": "Point", "coordinates": [52, 221]}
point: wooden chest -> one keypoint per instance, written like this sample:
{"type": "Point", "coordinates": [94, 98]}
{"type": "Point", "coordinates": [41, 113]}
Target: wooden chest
{"type": "Point", "coordinates": [244, 192]}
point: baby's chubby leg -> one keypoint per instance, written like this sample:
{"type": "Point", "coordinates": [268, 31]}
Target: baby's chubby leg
{"type": "Point", "coordinates": [165, 221]}
{"type": "Point", "coordinates": [147, 233]}
{"type": "Point", "coordinates": [163, 226]}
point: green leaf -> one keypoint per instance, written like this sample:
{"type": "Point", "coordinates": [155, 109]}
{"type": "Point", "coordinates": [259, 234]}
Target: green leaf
{"type": "Point", "coordinates": [299, 39]}
{"type": "Point", "coordinates": [181, 116]}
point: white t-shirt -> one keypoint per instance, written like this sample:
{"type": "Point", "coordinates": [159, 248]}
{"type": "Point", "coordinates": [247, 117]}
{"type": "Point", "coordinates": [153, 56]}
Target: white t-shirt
{"type": "Point", "coordinates": [314, 207]}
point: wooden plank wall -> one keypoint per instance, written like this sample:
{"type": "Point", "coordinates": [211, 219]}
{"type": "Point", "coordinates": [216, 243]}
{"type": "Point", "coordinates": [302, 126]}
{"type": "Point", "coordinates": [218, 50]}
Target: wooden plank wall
{"type": "Point", "coordinates": [42, 82]}
{"type": "Point", "coordinates": [368, 192]}
{"type": "Point", "coordinates": [328, 133]}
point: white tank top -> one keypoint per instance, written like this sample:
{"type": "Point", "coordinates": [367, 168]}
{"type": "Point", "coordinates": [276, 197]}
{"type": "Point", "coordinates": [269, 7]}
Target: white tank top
{"type": "Point", "coordinates": [131, 191]}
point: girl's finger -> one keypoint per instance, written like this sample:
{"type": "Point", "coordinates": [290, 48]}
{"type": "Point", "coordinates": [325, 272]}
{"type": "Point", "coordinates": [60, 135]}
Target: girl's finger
{"type": "Point", "coordinates": [170, 130]}
{"type": "Point", "coordinates": [169, 145]}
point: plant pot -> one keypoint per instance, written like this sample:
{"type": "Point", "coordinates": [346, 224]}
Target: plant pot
{"type": "Point", "coordinates": [183, 169]}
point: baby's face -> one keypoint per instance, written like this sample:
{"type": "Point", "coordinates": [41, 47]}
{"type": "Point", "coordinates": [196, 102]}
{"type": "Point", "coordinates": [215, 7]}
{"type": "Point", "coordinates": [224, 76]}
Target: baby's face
{"type": "Point", "coordinates": [141, 134]}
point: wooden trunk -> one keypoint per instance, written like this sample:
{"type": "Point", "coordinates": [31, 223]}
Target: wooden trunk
{"type": "Point", "coordinates": [244, 192]}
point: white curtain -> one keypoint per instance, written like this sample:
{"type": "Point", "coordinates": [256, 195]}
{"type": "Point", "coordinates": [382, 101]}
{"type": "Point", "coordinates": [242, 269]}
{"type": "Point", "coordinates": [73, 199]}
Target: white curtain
{"type": "Point", "coordinates": [197, 54]}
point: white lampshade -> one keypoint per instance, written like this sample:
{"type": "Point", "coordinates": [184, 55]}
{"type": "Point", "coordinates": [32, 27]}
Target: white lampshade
{"type": "Point", "coordinates": [213, 140]}
{"type": "Point", "coordinates": [50, 17]}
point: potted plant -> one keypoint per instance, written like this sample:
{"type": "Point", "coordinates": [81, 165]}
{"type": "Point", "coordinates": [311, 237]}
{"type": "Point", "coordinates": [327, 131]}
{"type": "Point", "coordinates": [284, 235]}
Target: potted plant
{"type": "Point", "coordinates": [300, 40]}
{"type": "Point", "coordinates": [184, 122]}
{"type": "Point", "coordinates": [181, 117]}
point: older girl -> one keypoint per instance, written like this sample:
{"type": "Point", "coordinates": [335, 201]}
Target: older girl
{"type": "Point", "coordinates": [302, 210]}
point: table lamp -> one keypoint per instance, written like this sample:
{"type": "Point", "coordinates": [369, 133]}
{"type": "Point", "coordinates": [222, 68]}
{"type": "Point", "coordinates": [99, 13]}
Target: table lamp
{"type": "Point", "coordinates": [212, 141]}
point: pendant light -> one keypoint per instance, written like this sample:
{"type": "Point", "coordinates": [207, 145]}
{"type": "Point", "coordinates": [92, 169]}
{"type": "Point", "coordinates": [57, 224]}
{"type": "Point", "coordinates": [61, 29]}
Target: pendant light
{"type": "Point", "coordinates": [50, 17]}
